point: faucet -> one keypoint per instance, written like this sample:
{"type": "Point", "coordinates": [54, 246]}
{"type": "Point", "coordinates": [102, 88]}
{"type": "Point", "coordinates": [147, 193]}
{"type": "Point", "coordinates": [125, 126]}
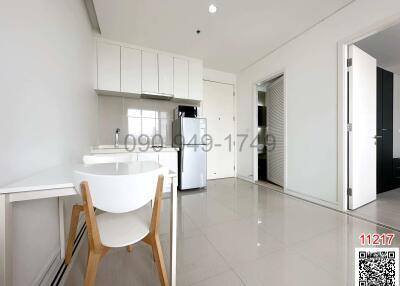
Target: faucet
{"type": "Point", "coordinates": [117, 138]}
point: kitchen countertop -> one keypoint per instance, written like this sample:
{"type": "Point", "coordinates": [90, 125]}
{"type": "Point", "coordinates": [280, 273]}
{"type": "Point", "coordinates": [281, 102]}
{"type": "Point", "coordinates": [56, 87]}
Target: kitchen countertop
{"type": "Point", "coordinates": [111, 149]}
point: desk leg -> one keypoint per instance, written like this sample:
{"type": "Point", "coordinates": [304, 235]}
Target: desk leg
{"type": "Point", "coordinates": [61, 225]}
{"type": "Point", "coordinates": [5, 240]}
{"type": "Point", "coordinates": [173, 226]}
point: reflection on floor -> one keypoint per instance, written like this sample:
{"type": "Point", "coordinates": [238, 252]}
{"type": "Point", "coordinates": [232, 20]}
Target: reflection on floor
{"type": "Point", "coordinates": [385, 210]}
{"type": "Point", "coordinates": [239, 233]}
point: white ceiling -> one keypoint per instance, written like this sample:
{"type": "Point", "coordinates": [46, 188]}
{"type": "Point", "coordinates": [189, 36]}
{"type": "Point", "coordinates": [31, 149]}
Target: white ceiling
{"type": "Point", "coordinates": [240, 33]}
{"type": "Point", "coordinates": [385, 47]}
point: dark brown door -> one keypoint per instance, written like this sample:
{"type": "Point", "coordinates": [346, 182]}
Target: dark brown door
{"type": "Point", "coordinates": [384, 130]}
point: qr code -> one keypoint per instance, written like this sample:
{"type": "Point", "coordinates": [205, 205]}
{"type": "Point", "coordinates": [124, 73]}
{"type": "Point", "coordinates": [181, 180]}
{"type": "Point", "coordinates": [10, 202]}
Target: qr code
{"type": "Point", "coordinates": [377, 267]}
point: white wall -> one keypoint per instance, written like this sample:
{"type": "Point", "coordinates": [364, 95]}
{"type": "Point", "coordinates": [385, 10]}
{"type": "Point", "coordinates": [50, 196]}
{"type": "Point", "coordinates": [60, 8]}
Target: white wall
{"type": "Point", "coordinates": [219, 76]}
{"type": "Point", "coordinates": [396, 116]}
{"type": "Point", "coordinates": [47, 112]}
{"type": "Point", "coordinates": [113, 114]}
{"type": "Point", "coordinates": [310, 65]}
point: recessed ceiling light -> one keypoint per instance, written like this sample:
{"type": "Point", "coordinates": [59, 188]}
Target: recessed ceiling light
{"type": "Point", "coordinates": [212, 8]}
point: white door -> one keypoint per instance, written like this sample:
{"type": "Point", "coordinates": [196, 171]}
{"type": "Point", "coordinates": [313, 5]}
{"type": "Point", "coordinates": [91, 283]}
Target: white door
{"type": "Point", "coordinates": [362, 117]}
{"type": "Point", "coordinates": [218, 108]}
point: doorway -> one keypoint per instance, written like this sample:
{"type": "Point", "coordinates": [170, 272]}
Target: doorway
{"type": "Point", "coordinates": [271, 132]}
{"type": "Point", "coordinates": [373, 127]}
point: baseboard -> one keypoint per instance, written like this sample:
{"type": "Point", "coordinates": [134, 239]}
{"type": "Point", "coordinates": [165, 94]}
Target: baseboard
{"type": "Point", "coordinates": [311, 199]}
{"type": "Point", "coordinates": [63, 269]}
{"type": "Point", "coordinates": [245, 178]}
{"type": "Point", "coordinates": [49, 270]}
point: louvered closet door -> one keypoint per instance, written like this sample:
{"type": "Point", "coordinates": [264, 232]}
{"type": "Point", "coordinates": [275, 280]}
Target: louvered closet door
{"type": "Point", "coordinates": [275, 123]}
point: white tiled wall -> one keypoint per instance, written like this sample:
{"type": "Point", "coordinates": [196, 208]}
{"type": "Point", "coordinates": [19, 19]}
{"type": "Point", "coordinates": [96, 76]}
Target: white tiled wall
{"type": "Point", "coordinates": [138, 117]}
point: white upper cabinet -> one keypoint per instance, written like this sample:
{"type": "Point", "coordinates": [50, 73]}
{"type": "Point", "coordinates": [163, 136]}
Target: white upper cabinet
{"type": "Point", "coordinates": [108, 67]}
{"type": "Point", "coordinates": [128, 70]}
{"type": "Point", "coordinates": [149, 72]}
{"type": "Point", "coordinates": [165, 74]}
{"type": "Point", "coordinates": [195, 79]}
{"type": "Point", "coordinates": [131, 70]}
{"type": "Point", "coordinates": [181, 78]}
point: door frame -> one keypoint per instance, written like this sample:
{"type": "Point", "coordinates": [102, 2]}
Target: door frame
{"type": "Point", "coordinates": [342, 168]}
{"type": "Point", "coordinates": [234, 121]}
{"type": "Point", "coordinates": [271, 76]}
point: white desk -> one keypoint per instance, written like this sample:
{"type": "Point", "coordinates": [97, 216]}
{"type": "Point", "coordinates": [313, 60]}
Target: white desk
{"type": "Point", "coordinates": [57, 182]}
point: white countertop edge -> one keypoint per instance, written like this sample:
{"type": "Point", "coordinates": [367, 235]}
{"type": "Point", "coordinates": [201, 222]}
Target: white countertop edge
{"type": "Point", "coordinates": [34, 188]}
{"type": "Point", "coordinates": [138, 149]}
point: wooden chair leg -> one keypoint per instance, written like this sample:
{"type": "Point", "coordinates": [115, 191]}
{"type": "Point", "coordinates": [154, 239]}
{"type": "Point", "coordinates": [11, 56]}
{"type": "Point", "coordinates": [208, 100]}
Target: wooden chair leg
{"type": "Point", "coordinates": [129, 248]}
{"type": "Point", "coordinates": [159, 258]}
{"type": "Point", "coordinates": [76, 210]}
{"type": "Point", "coordinates": [91, 271]}
{"type": "Point", "coordinates": [149, 241]}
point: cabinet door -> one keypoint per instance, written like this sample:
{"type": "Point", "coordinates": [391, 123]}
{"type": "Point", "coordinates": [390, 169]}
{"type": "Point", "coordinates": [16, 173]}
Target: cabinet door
{"type": "Point", "coordinates": [148, 156]}
{"type": "Point", "coordinates": [108, 66]}
{"type": "Point", "coordinates": [149, 72]}
{"type": "Point", "coordinates": [169, 160]}
{"type": "Point", "coordinates": [181, 78]}
{"type": "Point", "coordinates": [131, 70]}
{"type": "Point", "coordinates": [195, 79]}
{"type": "Point", "coordinates": [165, 74]}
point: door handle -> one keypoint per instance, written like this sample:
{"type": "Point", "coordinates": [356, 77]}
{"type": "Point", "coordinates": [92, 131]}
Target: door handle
{"type": "Point", "coordinates": [182, 152]}
{"type": "Point", "coordinates": [377, 137]}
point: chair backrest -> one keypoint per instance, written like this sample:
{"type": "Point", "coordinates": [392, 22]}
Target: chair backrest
{"type": "Point", "coordinates": [121, 193]}
{"type": "Point", "coordinates": [109, 158]}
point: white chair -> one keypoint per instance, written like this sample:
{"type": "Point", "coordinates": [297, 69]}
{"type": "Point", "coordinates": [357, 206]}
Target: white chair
{"type": "Point", "coordinates": [127, 216]}
{"type": "Point", "coordinates": [77, 209]}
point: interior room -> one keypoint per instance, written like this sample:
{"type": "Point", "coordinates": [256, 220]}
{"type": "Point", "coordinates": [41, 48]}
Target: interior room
{"type": "Point", "coordinates": [384, 46]}
{"type": "Point", "coordinates": [199, 143]}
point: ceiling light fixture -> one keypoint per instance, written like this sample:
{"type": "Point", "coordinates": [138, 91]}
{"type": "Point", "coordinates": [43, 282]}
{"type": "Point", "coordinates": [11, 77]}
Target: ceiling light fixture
{"type": "Point", "coordinates": [212, 8]}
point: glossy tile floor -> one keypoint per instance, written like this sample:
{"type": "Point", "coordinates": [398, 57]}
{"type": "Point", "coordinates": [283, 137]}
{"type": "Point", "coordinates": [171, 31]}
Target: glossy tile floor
{"type": "Point", "coordinates": [385, 210]}
{"type": "Point", "coordinates": [239, 233]}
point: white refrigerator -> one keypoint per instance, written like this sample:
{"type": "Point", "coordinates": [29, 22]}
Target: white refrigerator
{"type": "Point", "coordinates": [189, 135]}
